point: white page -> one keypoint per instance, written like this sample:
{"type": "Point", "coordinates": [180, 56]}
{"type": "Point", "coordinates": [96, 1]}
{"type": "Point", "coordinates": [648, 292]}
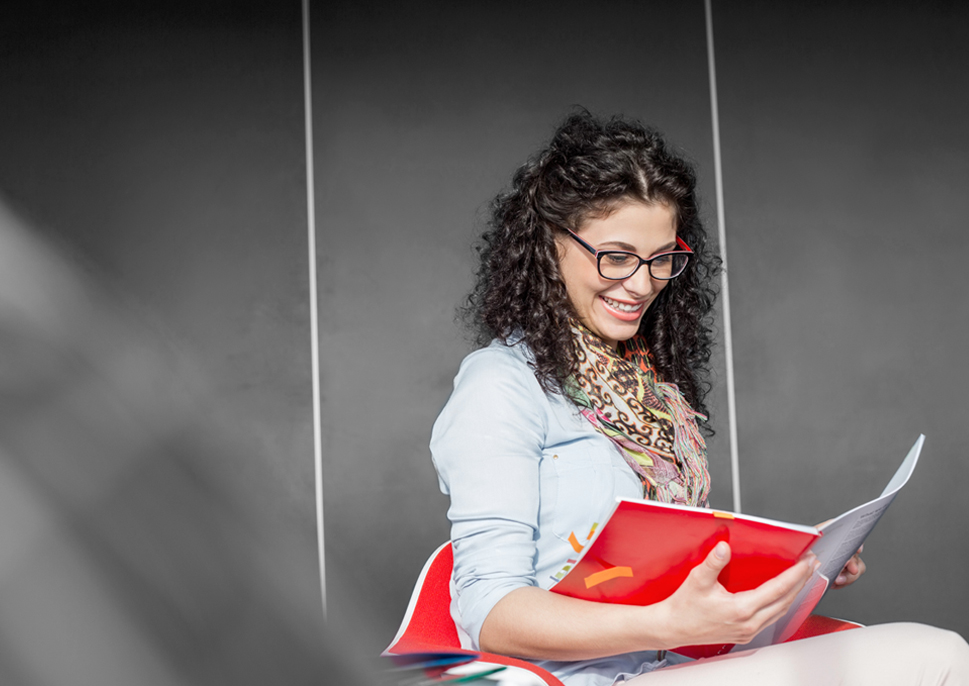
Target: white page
{"type": "Point", "coordinates": [843, 535]}
{"type": "Point", "coordinates": [842, 538]}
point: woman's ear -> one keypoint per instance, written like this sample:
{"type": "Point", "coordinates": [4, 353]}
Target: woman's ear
{"type": "Point", "coordinates": [561, 244]}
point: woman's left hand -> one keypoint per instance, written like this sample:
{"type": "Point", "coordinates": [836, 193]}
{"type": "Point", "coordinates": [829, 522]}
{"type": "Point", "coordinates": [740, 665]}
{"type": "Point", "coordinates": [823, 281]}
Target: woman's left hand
{"type": "Point", "coordinates": [853, 569]}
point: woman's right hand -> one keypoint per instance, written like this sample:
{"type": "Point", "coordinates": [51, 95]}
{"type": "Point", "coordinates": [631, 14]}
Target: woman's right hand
{"type": "Point", "coordinates": [703, 612]}
{"type": "Point", "coordinates": [533, 623]}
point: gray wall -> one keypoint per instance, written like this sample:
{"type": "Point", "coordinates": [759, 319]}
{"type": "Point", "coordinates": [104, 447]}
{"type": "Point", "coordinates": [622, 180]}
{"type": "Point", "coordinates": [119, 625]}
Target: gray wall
{"type": "Point", "coordinates": [164, 145]}
{"type": "Point", "coordinates": [161, 145]}
{"type": "Point", "coordinates": [845, 158]}
{"type": "Point", "coordinates": [842, 154]}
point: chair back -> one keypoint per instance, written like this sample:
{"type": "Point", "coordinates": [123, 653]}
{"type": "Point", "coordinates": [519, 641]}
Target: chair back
{"type": "Point", "coordinates": [427, 624]}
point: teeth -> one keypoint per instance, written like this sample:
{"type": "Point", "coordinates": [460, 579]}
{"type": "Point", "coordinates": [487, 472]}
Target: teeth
{"type": "Point", "coordinates": [622, 307]}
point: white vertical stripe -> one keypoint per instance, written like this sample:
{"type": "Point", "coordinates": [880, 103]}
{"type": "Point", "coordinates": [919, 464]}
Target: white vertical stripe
{"type": "Point", "coordinates": [725, 289]}
{"type": "Point", "coordinates": [314, 318]}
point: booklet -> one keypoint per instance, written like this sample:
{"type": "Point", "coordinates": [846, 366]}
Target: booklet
{"type": "Point", "coordinates": [841, 538]}
{"type": "Point", "coordinates": [644, 551]}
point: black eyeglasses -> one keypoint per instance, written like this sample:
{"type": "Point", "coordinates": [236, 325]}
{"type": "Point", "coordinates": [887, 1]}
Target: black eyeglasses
{"type": "Point", "coordinates": [617, 265]}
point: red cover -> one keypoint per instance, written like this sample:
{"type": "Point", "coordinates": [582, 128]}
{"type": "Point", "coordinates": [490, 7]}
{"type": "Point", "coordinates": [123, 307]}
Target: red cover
{"type": "Point", "coordinates": [645, 550]}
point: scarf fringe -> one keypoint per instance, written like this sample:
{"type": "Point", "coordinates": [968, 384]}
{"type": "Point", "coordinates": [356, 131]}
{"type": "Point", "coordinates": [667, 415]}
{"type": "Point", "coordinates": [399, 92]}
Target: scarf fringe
{"type": "Point", "coordinates": [689, 445]}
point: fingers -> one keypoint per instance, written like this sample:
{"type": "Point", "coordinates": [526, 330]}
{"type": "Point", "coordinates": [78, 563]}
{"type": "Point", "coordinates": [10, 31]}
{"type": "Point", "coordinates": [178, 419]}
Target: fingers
{"type": "Point", "coordinates": [791, 579]}
{"type": "Point", "coordinates": [853, 569]}
{"type": "Point", "coordinates": [706, 573]}
{"type": "Point", "coordinates": [781, 590]}
{"type": "Point", "coordinates": [705, 613]}
{"type": "Point", "coordinates": [774, 598]}
{"type": "Point", "coordinates": [719, 557]}
{"type": "Point", "coordinates": [751, 611]}
{"type": "Point", "coordinates": [799, 576]}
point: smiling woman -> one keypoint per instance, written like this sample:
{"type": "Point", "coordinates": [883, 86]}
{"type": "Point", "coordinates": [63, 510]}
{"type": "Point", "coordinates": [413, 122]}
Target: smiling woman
{"type": "Point", "coordinates": [591, 387]}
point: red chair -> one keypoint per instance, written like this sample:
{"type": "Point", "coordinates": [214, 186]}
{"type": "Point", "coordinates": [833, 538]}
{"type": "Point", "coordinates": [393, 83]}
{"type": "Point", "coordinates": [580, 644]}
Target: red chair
{"type": "Point", "coordinates": [428, 628]}
{"type": "Point", "coordinates": [427, 625]}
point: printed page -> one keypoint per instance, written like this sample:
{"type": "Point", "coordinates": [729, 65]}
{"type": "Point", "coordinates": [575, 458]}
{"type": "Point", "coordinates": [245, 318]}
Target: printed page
{"type": "Point", "coordinates": [841, 538]}
{"type": "Point", "coordinates": [845, 534]}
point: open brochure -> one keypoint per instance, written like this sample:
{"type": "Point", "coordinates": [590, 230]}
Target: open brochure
{"type": "Point", "coordinates": [841, 538]}
{"type": "Point", "coordinates": [645, 550]}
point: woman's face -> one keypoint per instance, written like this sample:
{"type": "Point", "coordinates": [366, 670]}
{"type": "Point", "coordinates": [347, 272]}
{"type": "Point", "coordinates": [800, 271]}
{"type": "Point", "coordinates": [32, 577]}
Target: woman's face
{"type": "Point", "coordinates": [613, 309]}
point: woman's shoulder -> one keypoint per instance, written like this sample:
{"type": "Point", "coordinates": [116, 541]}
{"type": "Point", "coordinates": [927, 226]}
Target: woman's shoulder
{"type": "Point", "coordinates": [499, 370]}
{"type": "Point", "coordinates": [494, 389]}
{"type": "Point", "coordinates": [500, 361]}
{"type": "Point", "coordinates": [498, 354]}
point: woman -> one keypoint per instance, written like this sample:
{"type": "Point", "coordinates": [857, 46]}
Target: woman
{"type": "Point", "coordinates": [595, 285]}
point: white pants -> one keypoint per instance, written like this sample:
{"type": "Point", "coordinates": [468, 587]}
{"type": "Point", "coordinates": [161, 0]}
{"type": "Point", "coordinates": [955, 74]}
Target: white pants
{"type": "Point", "coordinates": [882, 655]}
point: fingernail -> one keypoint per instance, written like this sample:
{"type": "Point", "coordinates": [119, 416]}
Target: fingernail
{"type": "Point", "coordinates": [720, 550]}
{"type": "Point", "coordinates": [861, 548]}
{"type": "Point", "coordinates": [841, 579]}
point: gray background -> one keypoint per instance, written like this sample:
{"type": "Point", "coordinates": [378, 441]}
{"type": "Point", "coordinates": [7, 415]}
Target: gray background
{"type": "Point", "coordinates": [165, 145]}
{"type": "Point", "coordinates": [846, 159]}
{"type": "Point", "coordinates": [161, 145]}
{"type": "Point", "coordinates": [844, 147]}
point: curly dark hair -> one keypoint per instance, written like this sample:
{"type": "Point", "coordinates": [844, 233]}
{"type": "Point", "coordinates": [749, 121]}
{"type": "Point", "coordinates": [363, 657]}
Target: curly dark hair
{"type": "Point", "coordinates": [587, 170]}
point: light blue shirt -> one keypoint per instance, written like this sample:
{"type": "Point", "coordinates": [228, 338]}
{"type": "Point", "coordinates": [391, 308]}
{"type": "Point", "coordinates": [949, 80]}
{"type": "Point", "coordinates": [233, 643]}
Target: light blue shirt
{"type": "Point", "coordinates": [525, 472]}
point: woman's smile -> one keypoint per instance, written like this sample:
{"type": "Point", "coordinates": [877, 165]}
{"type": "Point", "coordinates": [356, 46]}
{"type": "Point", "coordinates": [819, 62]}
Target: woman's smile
{"type": "Point", "coordinates": [623, 310]}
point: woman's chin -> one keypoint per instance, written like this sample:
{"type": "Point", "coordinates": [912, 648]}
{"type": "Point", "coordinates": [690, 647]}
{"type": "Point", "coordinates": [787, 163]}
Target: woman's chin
{"type": "Point", "coordinates": [614, 331]}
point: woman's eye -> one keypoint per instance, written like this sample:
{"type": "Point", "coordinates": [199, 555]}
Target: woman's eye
{"type": "Point", "coordinates": [662, 260]}
{"type": "Point", "coordinates": [619, 259]}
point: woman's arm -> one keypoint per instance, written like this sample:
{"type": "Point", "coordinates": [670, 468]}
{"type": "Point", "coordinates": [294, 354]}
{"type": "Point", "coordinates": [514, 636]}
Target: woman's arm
{"type": "Point", "coordinates": [534, 623]}
{"type": "Point", "coordinates": [487, 448]}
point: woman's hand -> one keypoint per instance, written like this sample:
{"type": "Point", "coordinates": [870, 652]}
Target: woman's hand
{"type": "Point", "coordinates": [702, 611]}
{"type": "Point", "coordinates": [853, 569]}
{"type": "Point", "coordinates": [534, 623]}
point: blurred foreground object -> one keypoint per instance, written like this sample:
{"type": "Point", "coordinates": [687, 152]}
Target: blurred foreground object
{"type": "Point", "coordinates": [125, 556]}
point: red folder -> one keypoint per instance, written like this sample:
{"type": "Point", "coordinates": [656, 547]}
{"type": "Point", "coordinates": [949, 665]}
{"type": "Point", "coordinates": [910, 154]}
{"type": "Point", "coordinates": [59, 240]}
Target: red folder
{"type": "Point", "coordinates": [645, 550]}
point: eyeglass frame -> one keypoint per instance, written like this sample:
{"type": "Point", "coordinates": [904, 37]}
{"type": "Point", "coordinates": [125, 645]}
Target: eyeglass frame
{"type": "Point", "coordinates": [687, 250]}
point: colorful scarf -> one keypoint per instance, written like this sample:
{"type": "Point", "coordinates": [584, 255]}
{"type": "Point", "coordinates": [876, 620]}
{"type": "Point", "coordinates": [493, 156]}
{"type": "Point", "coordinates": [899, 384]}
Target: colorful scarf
{"type": "Point", "coordinates": [649, 421]}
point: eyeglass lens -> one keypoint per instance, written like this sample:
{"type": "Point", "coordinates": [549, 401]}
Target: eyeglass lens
{"type": "Point", "coordinates": [622, 265]}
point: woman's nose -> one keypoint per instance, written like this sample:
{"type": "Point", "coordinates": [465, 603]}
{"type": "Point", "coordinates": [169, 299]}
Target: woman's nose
{"type": "Point", "coordinates": [640, 284]}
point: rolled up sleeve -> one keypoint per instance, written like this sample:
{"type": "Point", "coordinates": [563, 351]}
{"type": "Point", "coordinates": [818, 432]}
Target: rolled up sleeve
{"type": "Point", "coordinates": [487, 448]}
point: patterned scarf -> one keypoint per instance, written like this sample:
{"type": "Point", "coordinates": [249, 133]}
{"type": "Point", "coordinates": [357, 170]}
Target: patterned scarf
{"type": "Point", "coordinates": [649, 421]}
